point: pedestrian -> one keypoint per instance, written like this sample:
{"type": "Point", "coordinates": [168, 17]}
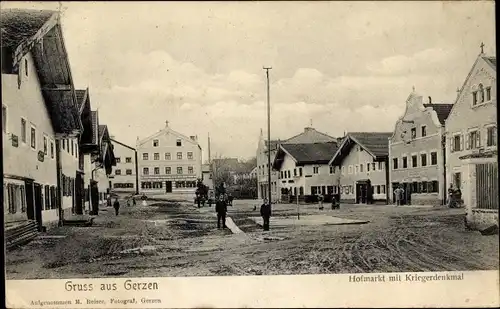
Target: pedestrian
{"type": "Point", "coordinates": [133, 201]}
{"type": "Point", "coordinates": [221, 209]}
{"type": "Point", "coordinates": [116, 205]}
{"type": "Point", "coordinates": [320, 201]}
{"type": "Point", "coordinates": [265, 212]}
{"type": "Point", "coordinates": [398, 194]}
{"type": "Point", "coordinates": [451, 190]}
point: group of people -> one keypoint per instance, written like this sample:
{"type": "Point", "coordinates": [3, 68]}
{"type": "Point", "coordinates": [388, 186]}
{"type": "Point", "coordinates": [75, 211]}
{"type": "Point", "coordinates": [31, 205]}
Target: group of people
{"type": "Point", "coordinates": [454, 196]}
{"type": "Point", "coordinates": [221, 209]}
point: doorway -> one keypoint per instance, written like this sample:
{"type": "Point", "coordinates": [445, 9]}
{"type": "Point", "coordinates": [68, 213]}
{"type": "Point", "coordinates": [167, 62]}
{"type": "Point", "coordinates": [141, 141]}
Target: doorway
{"type": "Point", "coordinates": [363, 191]}
{"type": "Point", "coordinates": [30, 206]}
{"type": "Point", "coordinates": [38, 205]}
{"type": "Point", "coordinates": [79, 196]}
{"type": "Point", "coordinates": [168, 187]}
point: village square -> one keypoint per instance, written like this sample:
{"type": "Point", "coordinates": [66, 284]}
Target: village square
{"type": "Point", "coordinates": [81, 200]}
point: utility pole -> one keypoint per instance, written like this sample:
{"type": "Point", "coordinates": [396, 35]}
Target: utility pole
{"type": "Point", "coordinates": [268, 136]}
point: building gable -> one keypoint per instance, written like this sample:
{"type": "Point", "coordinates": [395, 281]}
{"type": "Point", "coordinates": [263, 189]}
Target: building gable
{"type": "Point", "coordinates": [482, 73]}
{"type": "Point", "coordinates": [167, 138]}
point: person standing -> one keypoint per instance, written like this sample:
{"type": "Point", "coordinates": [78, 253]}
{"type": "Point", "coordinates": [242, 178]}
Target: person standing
{"type": "Point", "coordinates": [398, 193]}
{"type": "Point", "coordinates": [265, 212]}
{"type": "Point", "coordinates": [221, 209]}
{"type": "Point", "coordinates": [133, 201]}
{"type": "Point", "coordinates": [320, 201]}
{"type": "Point", "coordinates": [116, 205]}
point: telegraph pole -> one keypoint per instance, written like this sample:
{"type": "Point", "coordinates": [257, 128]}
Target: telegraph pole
{"type": "Point", "coordinates": [268, 137]}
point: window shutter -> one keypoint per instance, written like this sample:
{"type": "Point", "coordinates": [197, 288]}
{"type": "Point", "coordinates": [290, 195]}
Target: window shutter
{"type": "Point", "coordinates": [467, 141]}
{"type": "Point", "coordinates": [478, 138]}
{"type": "Point", "coordinates": [461, 142]}
{"type": "Point", "coordinates": [451, 144]}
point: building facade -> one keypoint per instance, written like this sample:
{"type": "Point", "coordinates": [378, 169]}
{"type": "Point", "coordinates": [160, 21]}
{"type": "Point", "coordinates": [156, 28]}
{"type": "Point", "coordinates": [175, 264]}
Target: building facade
{"type": "Point", "coordinates": [363, 161]}
{"type": "Point", "coordinates": [303, 171]}
{"type": "Point", "coordinates": [169, 162]}
{"type": "Point", "coordinates": [207, 176]}
{"type": "Point", "coordinates": [124, 175]}
{"type": "Point", "coordinates": [40, 115]}
{"type": "Point", "coordinates": [417, 153]}
{"type": "Point", "coordinates": [471, 142]}
{"type": "Point", "coordinates": [263, 168]}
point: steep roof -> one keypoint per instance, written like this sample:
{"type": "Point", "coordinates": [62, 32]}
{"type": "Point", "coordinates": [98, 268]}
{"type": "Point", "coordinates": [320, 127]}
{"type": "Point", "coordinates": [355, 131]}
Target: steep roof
{"type": "Point", "coordinates": [81, 95]}
{"type": "Point", "coordinates": [40, 33]}
{"type": "Point", "coordinates": [442, 110]}
{"type": "Point", "coordinates": [122, 144]}
{"type": "Point", "coordinates": [492, 61]}
{"type": "Point", "coordinates": [307, 153]}
{"type": "Point", "coordinates": [19, 25]}
{"type": "Point", "coordinates": [375, 143]}
{"type": "Point", "coordinates": [310, 135]}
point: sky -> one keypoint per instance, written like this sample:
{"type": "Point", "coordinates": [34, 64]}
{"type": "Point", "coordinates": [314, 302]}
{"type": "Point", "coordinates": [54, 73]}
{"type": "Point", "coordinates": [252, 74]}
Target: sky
{"type": "Point", "coordinates": [338, 66]}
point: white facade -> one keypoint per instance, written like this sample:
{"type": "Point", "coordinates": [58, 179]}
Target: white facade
{"type": "Point", "coordinates": [69, 166]}
{"type": "Point", "coordinates": [169, 162]}
{"type": "Point", "coordinates": [262, 171]}
{"type": "Point", "coordinates": [27, 125]}
{"type": "Point", "coordinates": [471, 135]}
{"type": "Point", "coordinates": [123, 177]}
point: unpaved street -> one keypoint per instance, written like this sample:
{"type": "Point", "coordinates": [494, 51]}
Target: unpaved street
{"type": "Point", "coordinates": [177, 239]}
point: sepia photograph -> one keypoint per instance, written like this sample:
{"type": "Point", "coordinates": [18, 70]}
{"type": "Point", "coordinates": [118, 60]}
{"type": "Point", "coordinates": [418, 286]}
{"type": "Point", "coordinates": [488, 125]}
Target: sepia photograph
{"type": "Point", "coordinates": [247, 139]}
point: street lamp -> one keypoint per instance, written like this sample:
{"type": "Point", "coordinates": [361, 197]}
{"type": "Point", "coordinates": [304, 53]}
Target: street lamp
{"type": "Point", "coordinates": [268, 136]}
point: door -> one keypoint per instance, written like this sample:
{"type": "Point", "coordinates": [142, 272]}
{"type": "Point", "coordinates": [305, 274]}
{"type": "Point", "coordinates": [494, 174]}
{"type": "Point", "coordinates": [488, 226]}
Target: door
{"type": "Point", "coordinates": [30, 206]}
{"type": "Point", "coordinates": [94, 198]}
{"type": "Point", "coordinates": [38, 205]}
{"type": "Point", "coordinates": [168, 187]}
{"type": "Point", "coordinates": [361, 193]}
{"type": "Point", "coordinates": [79, 194]}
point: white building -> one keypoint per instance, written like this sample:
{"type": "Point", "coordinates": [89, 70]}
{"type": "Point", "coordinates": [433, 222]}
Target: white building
{"type": "Point", "coordinates": [303, 169]}
{"type": "Point", "coordinates": [169, 163]}
{"type": "Point", "coordinates": [471, 142]}
{"type": "Point", "coordinates": [124, 177]}
{"type": "Point", "coordinates": [39, 118]}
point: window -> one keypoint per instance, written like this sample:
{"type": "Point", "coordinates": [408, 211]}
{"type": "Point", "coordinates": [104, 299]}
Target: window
{"type": "Point", "coordinates": [382, 189]}
{"type": "Point", "coordinates": [118, 172]}
{"type": "Point", "coordinates": [300, 171]}
{"type": "Point", "coordinates": [127, 160]}
{"type": "Point", "coordinates": [23, 130]}
{"type": "Point", "coordinates": [405, 162]}
{"type": "Point", "coordinates": [491, 136]}
{"type": "Point", "coordinates": [145, 156]}
{"type": "Point", "coordinates": [26, 67]}
{"type": "Point", "coordinates": [488, 94]}
{"type": "Point", "coordinates": [117, 159]}
{"type": "Point", "coordinates": [473, 140]}
{"type": "Point", "coordinates": [52, 149]}
{"type": "Point", "coordinates": [395, 163]}
{"type": "Point", "coordinates": [423, 159]}
{"type": "Point", "coordinates": [361, 168]}
{"type": "Point", "coordinates": [179, 156]}
{"type": "Point", "coordinates": [190, 170]}
{"type": "Point", "coordinates": [157, 184]}
{"type": "Point", "coordinates": [63, 144]}
{"type": "Point", "coordinates": [381, 166]}
{"type": "Point", "coordinates": [350, 169]}
{"type": "Point", "coordinates": [156, 143]}
{"type": "Point", "coordinates": [190, 155]}
{"type": "Point", "coordinates": [4, 117]}
{"type": "Point", "coordinates": [45, 145]}
{"type": "Point", "coordinates": [480, 93]}
{"type": "Point", "coordinates": [47, 197]}
{"type": "Point", "coordinates": [288, 174]}
{"type": "Point", "coordinates": [474, 98]}
{"type": "Point", "coordinates": [145, 171]}
{"type": "Point", "coordinates": [281, 174]}
{"type": "Point", "coordinates": [76, 150]}
{"type": "Point", "coordinates": [457, 142]}
{"type": "Point", "coordinates": [332, 169]}
{"type": "Point", "coordinates": [315, 170]}
{"type": "Point", "coordinates": [368, 167]}
{"type": "Point", "coordinates": [343, 170]}
{"type": "Point", "coordinates": [356, 169]}
{"type": "Point", "coordinates": [414, 161]}
{"type": "Point", "coordinates": [179, 170]}
{"type": "Point", "coordinates": [156, 156]}
{"type": "Point", "coordinates": [179, 142]}
{"type": "Point", "coordinates": [33, 137]}
{"type": "Point", "coordinates": [295, 172]}
{"type": "Point", "coordinates": [413, 133]}
{"type": "Point", "coordinates": [157, 171]}
{"type": "Point", "coordinates": [128, 172]}
{"type": "Point", "coordinates": [67, 145]}
{"type": "Point", "coordinates": [377, 189]}
{"type": "Point", "coordinates": [167, 156]}
{"type": "Point", "coordinates": [434, 158]}
{"type": "Point", "coordinates": [168, 170]}
{"type": "Point", "coordinates": [373, 166]}
{"type": "Point", "coordinates": [424, 131]}
{"type": "Point", "coordinates": [72, 147]}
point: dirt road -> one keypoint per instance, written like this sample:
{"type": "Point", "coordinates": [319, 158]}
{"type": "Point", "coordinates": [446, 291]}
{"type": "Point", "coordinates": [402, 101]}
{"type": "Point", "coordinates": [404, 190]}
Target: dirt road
{"type": "Point", "coordinates": [172, 239]}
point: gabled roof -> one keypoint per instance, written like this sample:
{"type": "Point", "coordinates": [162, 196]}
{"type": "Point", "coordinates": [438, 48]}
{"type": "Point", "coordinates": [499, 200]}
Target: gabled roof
{"type": "Point", "coordinates": [375, 143]}
{"type": "Point", "coordinates": [307, 153]}
{"type": "Point", "coordinates": [167, 129]}
{"type": "Point", "coordinates": [442, 110]}
{"type": "Point", "coordinates": [95, 127]}
{"type": "Point", "coordinates": [492, 61]}
{"type": "Point", "coordinates": [40, 33]}
{"type": "Point", "coordinates": [107, 155]}
{"type": "Point", "coordinates": [310, 135]}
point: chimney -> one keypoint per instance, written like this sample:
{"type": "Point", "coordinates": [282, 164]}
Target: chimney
{"type": "Point", "coordinates": [430, 100]}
